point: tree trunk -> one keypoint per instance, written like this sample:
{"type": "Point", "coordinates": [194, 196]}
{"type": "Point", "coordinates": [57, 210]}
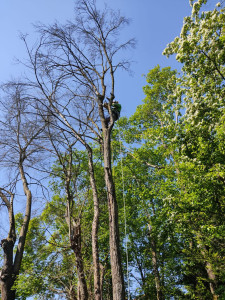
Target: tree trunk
{"type": "Point", "coordinates": [11, 269]}
{"type": "Point", "coordinates": [75, 240]}
{"type": "Point", "coordinates": [25, 225]}
{"type": "Point", "coordinates": [208, 267]}
{"type": "Point", "coordinates": [155, 266]}
{"type": "Point", "coordinates": [212, 280]}
{"type": "Point", "coordinates": [95, 225]}
{"type": "Point", "coordinates": [7, 278]}
{"type": "Point", "coordinates": [75, 236]}
{"type": "Point", "coordinates": [101, 277]}
{"type": "Point", "coordinates": [114, 241]}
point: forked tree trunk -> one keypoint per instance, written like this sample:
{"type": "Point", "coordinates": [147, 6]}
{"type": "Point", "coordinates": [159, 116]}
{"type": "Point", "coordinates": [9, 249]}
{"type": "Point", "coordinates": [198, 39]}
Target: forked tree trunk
{"type": "Point", "coordinates": [114, 241]}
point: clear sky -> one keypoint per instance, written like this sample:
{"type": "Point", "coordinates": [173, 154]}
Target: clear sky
{"type": "Point", "coordinates": [154, 24]}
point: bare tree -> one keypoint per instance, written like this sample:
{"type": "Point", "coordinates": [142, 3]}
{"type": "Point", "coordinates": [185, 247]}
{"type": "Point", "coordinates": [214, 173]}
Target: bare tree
{"type": "Point", "coordinates": [74, 67]}
{"type": "Point", "coordinates": [18, 150]}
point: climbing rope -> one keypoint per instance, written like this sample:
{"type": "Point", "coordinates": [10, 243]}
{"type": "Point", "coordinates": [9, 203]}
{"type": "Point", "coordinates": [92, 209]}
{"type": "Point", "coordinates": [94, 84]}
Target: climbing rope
{"type": "Point", "coordinates": [125, 217]}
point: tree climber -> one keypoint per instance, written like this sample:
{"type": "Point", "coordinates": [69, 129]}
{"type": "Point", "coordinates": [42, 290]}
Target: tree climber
{"type": "Point", "coordinates": [116, 109]}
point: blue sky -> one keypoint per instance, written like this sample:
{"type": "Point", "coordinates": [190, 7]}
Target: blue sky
{"type": "Point", "coordinates": [154, 24]}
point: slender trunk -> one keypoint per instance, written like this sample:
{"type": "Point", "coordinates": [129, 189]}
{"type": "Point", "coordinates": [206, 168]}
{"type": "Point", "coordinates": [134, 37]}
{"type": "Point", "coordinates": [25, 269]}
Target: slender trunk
{"type": "Point", "coordinates": [155, 266]}
{"type": "Point", "coordinates": [25, 225]}
{"type": "Point", "coordinates": [115, 256]}
{"type": "Point", "coordinates": [102, 273]}
{"type": "Point", "coordinates": [75, 240]}
{"type": "Point", "coordinates": [75, 237]}
{"type": "Point", "coordinates": [95, 225]}
{"type": "Point", "coordinates": [208, 267]}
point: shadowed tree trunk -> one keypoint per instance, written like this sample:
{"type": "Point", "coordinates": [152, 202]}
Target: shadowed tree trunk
{"type": "Point", "coordinates": [11, 268]}
{"type": "Point", "coordinates": [7, 278]}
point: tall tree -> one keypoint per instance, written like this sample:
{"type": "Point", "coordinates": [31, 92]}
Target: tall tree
{"type": "Point", "coordinates": [74, 67]}
{"type": "Point", "coordinates": [151, 168]}
{"type": "Point", "coordinates": [20, 129]}
{"type": "Point", "coordinates": [200, 48]}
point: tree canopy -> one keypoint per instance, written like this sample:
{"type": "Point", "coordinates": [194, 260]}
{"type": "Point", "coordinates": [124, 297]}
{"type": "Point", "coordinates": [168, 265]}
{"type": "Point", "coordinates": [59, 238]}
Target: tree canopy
{"type": "Point", "coordinates": [136, 205]}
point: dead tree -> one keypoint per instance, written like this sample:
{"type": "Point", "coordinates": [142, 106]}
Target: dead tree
{"type": "Point", "coordinates": [74, 68]}
{"type": "Point", "coordinates": [18, 149]}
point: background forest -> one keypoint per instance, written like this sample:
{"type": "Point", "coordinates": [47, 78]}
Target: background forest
{"type": "Point", "coordinates": [132, 209]}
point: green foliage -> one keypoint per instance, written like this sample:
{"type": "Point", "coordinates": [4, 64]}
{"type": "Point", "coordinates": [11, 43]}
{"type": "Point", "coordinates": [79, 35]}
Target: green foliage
{"type": "Point", "coordinates": [48, 266]}
{"type": "Point", "coordinates": [201, 146]}
{"type": "Point", "coordinates": [168, 166]}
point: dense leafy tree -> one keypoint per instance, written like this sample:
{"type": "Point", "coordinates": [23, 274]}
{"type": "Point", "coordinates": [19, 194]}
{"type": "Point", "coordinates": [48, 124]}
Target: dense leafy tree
{"type": "Point", "coordinates": [200, 48]}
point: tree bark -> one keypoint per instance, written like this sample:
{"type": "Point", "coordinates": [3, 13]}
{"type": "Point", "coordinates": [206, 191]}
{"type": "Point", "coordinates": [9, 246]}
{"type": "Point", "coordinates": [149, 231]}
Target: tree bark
{"type": "Point", "coordinates": [26, 220]}
{"type": "Point", "coordinates": [155, 265]}
{"type": "Point", "coordinates": [114, 241]}
{"type": "Point", "coordinates": [95, 225]}
{"type": "Point", "coordinates": [75, 240]}
{"type": "Point", "coordinates": [11, 269]}
{"type": "Point", "coordinates": [212, 280]}
{"type": "Point", "coordinates": [208, 267]}
{"type": "Point", "coordinates": [7, 276]}
{"type": "Point", "coordinates": [102, 269]}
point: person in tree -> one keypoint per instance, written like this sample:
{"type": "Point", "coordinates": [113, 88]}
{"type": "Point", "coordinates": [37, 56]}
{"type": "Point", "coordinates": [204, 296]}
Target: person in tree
{"type": "Point", "coordinates": [116, 109]}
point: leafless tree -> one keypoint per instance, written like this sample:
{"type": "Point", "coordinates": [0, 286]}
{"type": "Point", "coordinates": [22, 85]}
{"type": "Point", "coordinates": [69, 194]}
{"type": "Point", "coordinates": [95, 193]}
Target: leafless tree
{"type": "Point", "coordinates": [74, 67]}
{"type": "Point", "coordinates": [20, 129]}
